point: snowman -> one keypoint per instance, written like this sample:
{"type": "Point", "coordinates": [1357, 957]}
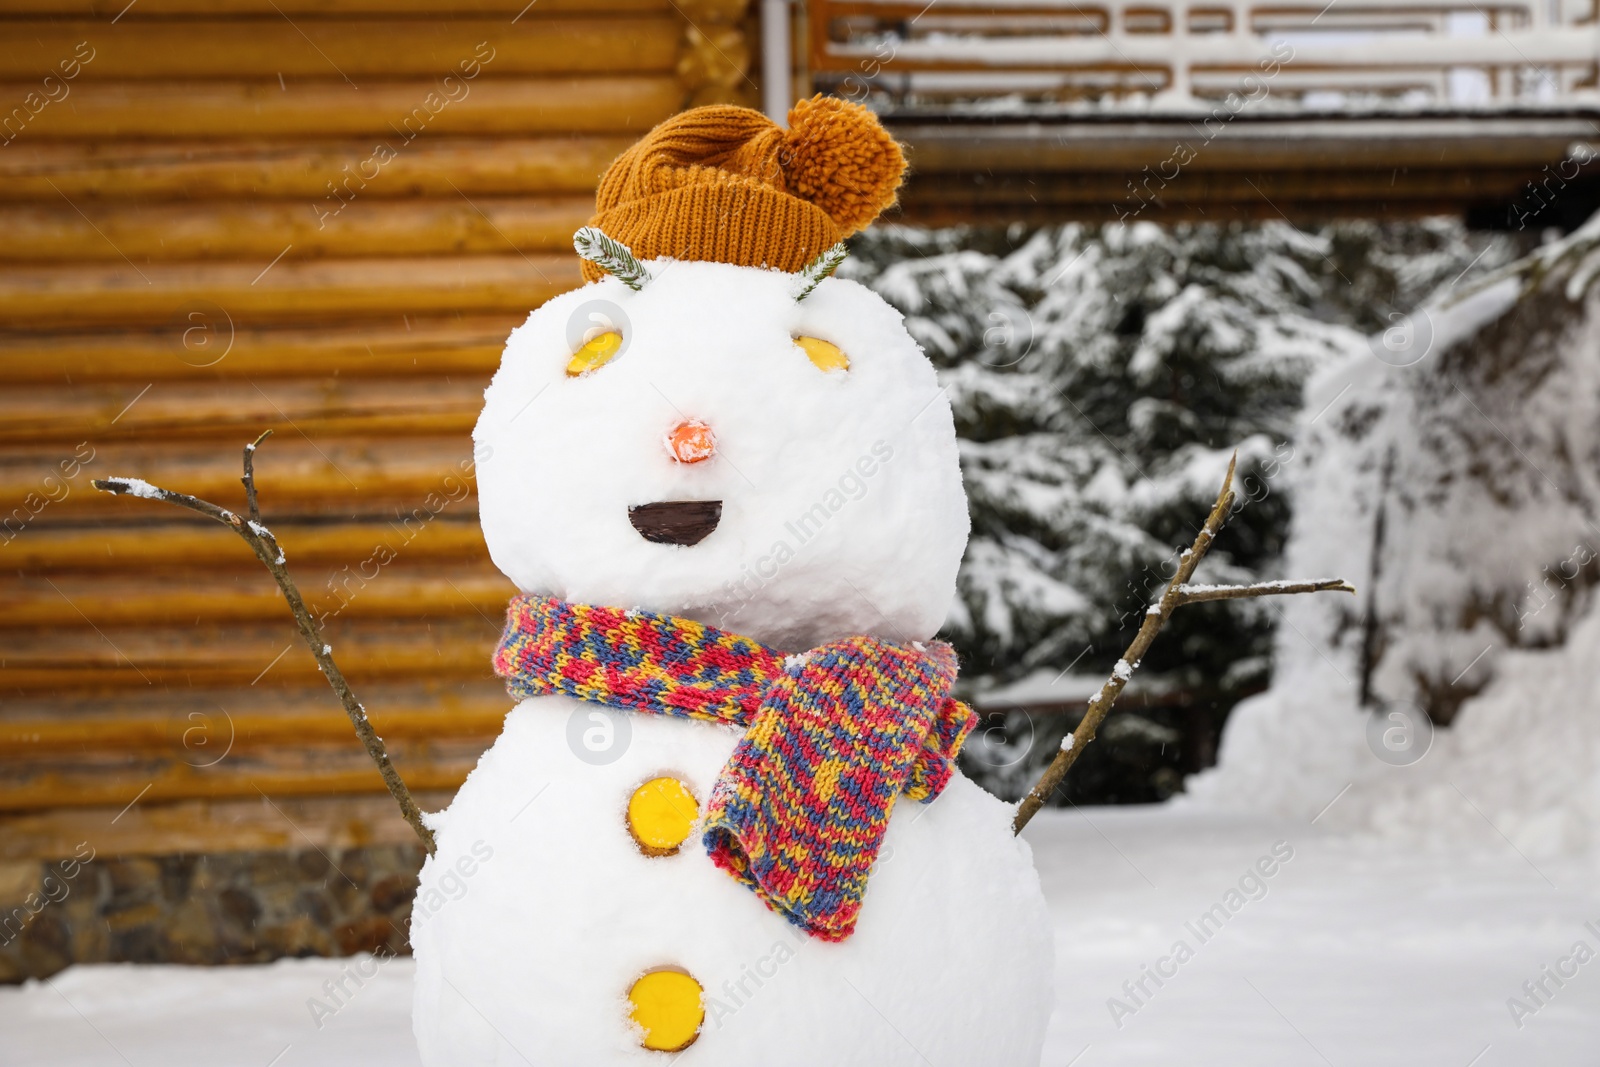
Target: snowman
{"type": "Point", "coordinates": [723, 824]}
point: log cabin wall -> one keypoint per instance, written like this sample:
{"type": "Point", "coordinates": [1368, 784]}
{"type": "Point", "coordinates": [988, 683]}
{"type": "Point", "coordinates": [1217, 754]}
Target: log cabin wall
{"type": "Point", "coordinates": [318, 216]}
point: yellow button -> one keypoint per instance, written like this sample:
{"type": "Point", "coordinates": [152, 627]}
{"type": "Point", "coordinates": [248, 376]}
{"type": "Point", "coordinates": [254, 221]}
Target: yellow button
{"type": "Point", "coordinates": [666, 1005]}
{"type": "Point", "coordinates": [660, 815]}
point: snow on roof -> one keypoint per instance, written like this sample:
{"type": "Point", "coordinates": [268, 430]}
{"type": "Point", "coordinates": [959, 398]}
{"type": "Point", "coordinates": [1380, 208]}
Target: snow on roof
{"type": "Point", "coordinates": [1051, 686]}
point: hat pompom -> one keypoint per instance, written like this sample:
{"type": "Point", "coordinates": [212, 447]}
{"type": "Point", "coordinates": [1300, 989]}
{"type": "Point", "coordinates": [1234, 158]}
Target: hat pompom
{"type": "Point", "coordinates": [838, 157]}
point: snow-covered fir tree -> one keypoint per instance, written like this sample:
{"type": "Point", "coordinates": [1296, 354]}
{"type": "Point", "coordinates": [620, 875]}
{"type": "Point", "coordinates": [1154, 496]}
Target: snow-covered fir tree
{"type": "Point", "coordinates": [1101, 376]}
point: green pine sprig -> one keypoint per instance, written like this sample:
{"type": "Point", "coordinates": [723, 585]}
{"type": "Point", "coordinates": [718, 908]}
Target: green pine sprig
{"type": "Point", "coordinates": [611, 256]}
{"type": "Point", "coordinates": [812, 273]}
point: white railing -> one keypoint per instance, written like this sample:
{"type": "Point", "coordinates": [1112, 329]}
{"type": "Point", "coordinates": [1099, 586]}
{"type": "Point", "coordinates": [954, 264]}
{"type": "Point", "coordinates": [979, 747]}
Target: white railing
{"type": "Point", "coordinates": [1455, 53]}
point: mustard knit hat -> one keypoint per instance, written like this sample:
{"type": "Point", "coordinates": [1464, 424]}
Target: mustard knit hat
{"type": "Point", "coordinates": [728, 184]}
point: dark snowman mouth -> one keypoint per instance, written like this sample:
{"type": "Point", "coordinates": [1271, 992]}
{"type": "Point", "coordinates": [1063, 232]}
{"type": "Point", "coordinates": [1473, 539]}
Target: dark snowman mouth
{"type": "Point", "coordinates": [676, 522]}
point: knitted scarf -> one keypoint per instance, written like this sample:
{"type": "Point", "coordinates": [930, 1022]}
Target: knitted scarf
{"type": "Point", "coordinates": [833, 736]}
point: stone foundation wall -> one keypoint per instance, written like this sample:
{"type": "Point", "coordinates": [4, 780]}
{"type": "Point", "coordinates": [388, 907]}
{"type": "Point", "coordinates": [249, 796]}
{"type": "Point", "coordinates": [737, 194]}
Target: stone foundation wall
{"type": "Point", "coordinates": [215, 908]}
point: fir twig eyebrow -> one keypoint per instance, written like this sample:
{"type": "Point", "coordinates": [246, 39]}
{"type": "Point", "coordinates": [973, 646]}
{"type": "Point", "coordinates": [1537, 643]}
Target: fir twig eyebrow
{"type": "Point", "coordinates": [611, 256]}
{"type": "Point", "coordinates": [812, 273]}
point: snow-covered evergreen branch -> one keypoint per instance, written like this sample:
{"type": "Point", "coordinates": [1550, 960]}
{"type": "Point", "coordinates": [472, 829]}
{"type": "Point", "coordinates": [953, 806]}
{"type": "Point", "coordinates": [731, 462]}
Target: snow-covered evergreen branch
{"type": "Point", "coordinates": [611, 256]}
{"type": "Point", "coordinates": [812, 273]}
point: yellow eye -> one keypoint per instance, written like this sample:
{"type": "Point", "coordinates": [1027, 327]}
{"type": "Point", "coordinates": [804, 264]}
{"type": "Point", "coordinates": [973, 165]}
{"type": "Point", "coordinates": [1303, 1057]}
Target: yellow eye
{"type": "Point", "coordinates": [826, 356]}
{"type": "Point", "coordinates": [595, 353]}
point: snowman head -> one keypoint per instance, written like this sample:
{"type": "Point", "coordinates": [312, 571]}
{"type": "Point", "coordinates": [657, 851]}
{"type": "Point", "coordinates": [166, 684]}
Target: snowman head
{"type": "Point", "coordinates": [709, 445]}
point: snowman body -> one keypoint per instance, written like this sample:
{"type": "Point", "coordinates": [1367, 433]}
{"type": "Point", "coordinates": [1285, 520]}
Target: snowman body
{"type": "Point", "coordinates": [529, 958]}
{"type": "Point", "coordinates": [839, 512]}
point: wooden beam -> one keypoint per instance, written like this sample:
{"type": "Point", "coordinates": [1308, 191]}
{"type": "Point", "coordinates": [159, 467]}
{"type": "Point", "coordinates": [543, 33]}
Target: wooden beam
{"type": "Point", "coordinates": [978, 208]}
{"type": "Point", "coordinates": [200, 546]}
{"type": "Point", "coordinates": [396, 113]}
{"type": "Point", "coordinates": [202, 725]}
{"type": "Point", "coordinates": [118, 659]}
{"type": "Point", "coordinates": [44, 782]}
{"type": "Point", "coordinates": [255, 293]}
{"type": "Point", "coordinates": [131, 826]}
{"type": "Point", "coordinates": [370, 477]}
{"type": "Point", "coordinates": [105, 9]}
{"type": "Point", "coordinates": [1261, 165]}
{"type": "Point", "coordinates": [236, 411]}
{"type": "Point", "coordinates": [1215, 187]}
{"type": "Point", "coordinates": [303, 168]}
{"type": "Point", "coordinates": [269, 45]}
{"type": "Point", "coordinates": [1304, 195]}
{"type": "Point", "coordinates": [364, 587]}
{"type": "Point", "coordinates": [209, 347]}
{"type": "Point", "coordinates": [1252, 141]}
{"type": "Point", "coordinates": [60, 232]}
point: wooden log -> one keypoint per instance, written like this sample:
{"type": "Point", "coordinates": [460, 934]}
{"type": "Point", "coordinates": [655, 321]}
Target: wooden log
{"type": "Point", "coordinates": [106, 9]}
{"type": "Point", "coordinates": [268, 45]}
{"type": "Point", "coordinates": [378, 478]}
{"type": "Point", "coordinates": [129, 826]}
{"type": "Point", "coordinates": [259, 292]}
{"type": "Point", "coordinates": [304, 167]}
{"type": "Point", "coordinates": [1244, 143]}
{"type": "Point", "coordinates": [236, 411]}
{"type": "Point", "coordinates": [201, 545]}
{"type": "Point", "coordinates": [364, 587]}
{"type": "Point", "coordinates": [969, 211]}
{"type": "Point", "coordinates": [111, 659]}
{"type": "Point", "coordinates": [395, 113]}
{"type": "Point", "coordinates": [276, 771]}
{"type": "Point", "coordinates": [201, 725]}
{"type": "Point", "coordinates": [59, 232]}
{"type": "Point", "coordinates": [209, 347]}
{"type": "Point", "coordinates": [1199, 186]}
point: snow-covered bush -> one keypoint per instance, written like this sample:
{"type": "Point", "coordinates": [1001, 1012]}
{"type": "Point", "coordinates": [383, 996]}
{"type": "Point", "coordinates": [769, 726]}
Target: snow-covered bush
{"type": "Point", "coordinates": [1460, 486]}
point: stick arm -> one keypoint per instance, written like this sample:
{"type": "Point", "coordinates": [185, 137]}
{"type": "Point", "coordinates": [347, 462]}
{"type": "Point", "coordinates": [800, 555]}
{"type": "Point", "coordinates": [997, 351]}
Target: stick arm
{"type": "Point", "coordinates": [1177, 593]}
{"type": "Point", "coordinates": [266, 548]}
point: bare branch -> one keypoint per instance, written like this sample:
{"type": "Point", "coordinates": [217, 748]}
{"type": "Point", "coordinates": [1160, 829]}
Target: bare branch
{"type": "Point", "coordinates": [1199, 594]}
{"type": "Point", "coordinates": [1177, 593]}
{"type": "Point", "coordinates": [265, 546]}
{"type": "Point", "coordinates": [249, 478]}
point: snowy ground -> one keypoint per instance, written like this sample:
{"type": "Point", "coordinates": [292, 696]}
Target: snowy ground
{"type": "Point", "coordinates": [1355, 953]}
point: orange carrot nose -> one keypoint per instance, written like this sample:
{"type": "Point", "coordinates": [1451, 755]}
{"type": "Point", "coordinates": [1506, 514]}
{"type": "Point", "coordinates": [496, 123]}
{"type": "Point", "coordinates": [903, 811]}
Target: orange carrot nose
{"type": "Point", "coordinates": [691, 441]}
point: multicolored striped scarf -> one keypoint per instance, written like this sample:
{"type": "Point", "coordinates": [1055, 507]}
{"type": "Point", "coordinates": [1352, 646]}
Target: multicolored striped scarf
{"type": "Point", "coordinates": [833, 736]}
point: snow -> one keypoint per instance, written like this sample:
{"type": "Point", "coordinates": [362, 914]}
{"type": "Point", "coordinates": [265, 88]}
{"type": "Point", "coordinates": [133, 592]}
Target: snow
{"type": "Point", "coordinates": [842, 513]}
{"type": "Point", "coordinates": [1048, 687]}
{"type": "Point", "coordinates": [1068, 741]}
{"type": "Point", "coordinates": [1101, 378]}
{"type": "Point", "coordinates": [842, 505]}
{"type": "Point", "coordinates": [1480, 455]}
{"type": "Point", "coordinates": [538, 912]}
{"type": "Point", "coordinates": [1278, 585]}
{"type": "Point", "coordinates": [136, 487]}
{"type": "Point", "coordinates": [1380, 955]}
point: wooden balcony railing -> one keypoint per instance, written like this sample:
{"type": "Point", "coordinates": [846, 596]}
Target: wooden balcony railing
{"type": "Point", "coordinates": [1317, 55]}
